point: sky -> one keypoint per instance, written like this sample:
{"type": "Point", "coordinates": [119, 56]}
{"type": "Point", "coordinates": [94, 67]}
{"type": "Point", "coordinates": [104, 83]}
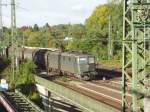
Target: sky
{"type": "Point", "coordinates": [30, 12]}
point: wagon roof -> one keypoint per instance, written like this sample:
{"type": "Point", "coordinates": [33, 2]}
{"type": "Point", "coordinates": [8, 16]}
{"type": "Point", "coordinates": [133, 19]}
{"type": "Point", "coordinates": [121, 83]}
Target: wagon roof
{"type": "Point", "coordinates": [75, 54]}
{"type": "Point", "coordinates": [39, 48]}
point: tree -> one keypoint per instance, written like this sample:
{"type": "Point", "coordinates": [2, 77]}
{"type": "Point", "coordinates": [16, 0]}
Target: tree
{"type": "Point", "coordinates": [98, 21]}
{"type": "Point", "coordinates": [47, 25]}
{"type": "Point", "coordinates": [97, 25]}
{"type": "Point", "coordinates": [36, 27]}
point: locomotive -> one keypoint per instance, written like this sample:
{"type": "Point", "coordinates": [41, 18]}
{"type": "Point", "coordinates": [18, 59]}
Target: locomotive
{"type": "Point", "coordinates": [76, 64]}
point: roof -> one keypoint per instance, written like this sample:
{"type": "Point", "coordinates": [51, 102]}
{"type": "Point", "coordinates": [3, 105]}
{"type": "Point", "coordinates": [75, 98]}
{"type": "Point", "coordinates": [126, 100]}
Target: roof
{"type": "Point", "coordinates": [76, 54]}
{"type": "Point", "coordinates": [39, 48]}
{"type": "Point", "coordinates": [57, 51]}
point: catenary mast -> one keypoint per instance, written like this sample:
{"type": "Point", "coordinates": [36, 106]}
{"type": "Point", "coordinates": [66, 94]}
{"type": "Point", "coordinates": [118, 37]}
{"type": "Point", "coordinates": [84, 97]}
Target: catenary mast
{"type": "Point", "coordinates": [136, 25]}
{"type": "Point", "coordinates": [13, 38]}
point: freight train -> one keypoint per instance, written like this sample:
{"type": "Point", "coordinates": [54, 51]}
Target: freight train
{"type": "Point", "coordinates": [76, 64]}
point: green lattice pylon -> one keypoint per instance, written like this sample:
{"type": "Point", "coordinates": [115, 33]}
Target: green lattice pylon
{"type": "Point", "coordinates": [136, 26]}
{"type": "Point", "coordinates": [13, 39]}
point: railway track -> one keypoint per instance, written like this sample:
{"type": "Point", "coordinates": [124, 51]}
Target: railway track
{"type": "Point", "coordinates": [101, 89]}
{"type": "Point", "coordinates": [115, 84]}
{"type": "Point", "coordinates": [108, 91]}
{"type": "Point", "coordinates": [98, 91]}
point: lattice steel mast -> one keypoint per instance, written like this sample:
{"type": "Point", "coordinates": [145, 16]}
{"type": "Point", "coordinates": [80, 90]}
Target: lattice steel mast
{"type": "Point", "coordinates": [13, 39]}
{"type": "Point", "coordinates": [110, 51]}
{"type": "Point", "coordinates": [110, 39]}
{"type": "Point", "coordinates": [135, 27]}
{"type": "Point", "coordinates": [1, 27]}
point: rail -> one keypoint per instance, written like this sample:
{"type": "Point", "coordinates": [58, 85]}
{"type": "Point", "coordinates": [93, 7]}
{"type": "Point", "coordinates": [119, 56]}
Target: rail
{"type": "Point", "coordinates": [76, 98]}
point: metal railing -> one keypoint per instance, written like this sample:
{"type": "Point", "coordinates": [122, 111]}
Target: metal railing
{"type": "Point", "coordinates": [30, 102]}
{"type": "Point", "coordinates": [11, 107]}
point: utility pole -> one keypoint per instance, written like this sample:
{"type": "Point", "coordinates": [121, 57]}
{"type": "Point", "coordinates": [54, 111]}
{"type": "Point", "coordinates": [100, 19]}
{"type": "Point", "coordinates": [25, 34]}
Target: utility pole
{"type": "Point", "coordinates": [110, 46]}
{"type": "Point", "coordinates": [69, 30]}
{"type": "Point", "coordinates": [110, 38]}
{"type": "Point", "coordinates": [13, 39]}
{"type": "Point", "coordinates": [2, 43]}
{"type": "Point", "coordinates": [1, 27]}
{"type": "Point", "coordinates": [136, 23]}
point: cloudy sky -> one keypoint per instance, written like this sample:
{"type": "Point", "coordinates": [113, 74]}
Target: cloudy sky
{"type": "Point", "coordinates": [54, 12]}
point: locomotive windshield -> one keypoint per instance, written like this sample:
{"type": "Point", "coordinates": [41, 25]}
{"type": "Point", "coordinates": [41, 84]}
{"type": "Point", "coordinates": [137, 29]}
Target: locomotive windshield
{"type": "Point", "coordinates": [83, 61]}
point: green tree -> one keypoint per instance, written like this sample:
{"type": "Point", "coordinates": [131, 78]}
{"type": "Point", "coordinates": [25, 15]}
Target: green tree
{"type": "Point", "coordinates": [98, 21]}
{"type": "Point", "coordinates": [25, 74]}
{"type": "Point", "coordinates": [97, 27]}
{"type": "Point", "coordinates": [36, 27]}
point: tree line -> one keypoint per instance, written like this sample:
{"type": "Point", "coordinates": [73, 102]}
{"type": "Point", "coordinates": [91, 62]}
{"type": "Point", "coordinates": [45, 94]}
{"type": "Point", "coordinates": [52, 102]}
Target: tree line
{"type": "Point", "coordinates": [91, 37]}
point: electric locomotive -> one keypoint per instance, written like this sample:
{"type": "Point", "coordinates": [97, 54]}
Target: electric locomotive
{"type": "Point", "coordinates": [76, 64]}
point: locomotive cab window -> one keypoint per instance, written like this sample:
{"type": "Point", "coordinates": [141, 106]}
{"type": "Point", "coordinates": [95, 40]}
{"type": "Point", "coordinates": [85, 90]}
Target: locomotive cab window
{"type": "Point", "coordinates": [91, 60]}
{"type": "Point", "coordinates": [83, 61]}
